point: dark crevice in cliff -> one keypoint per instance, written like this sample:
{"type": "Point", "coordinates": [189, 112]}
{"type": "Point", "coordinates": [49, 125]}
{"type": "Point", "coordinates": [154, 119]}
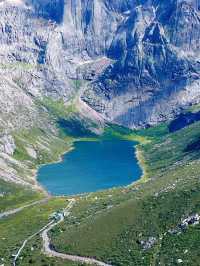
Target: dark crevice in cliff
{"type": "Point", "coordinates": [49, 9]}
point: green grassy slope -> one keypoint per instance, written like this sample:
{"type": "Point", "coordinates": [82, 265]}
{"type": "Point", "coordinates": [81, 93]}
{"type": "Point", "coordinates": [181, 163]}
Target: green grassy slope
{"type": "Point", "coordinates": [49, 143]}
{"type": "Point", "coordinates": [15, 229]}
{"type": "Point", "coordinates": [13, 196]}
{"type": "Point", "coordinates": [111, 227]}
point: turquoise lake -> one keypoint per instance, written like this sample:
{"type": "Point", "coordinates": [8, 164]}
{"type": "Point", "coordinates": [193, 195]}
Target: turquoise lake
{"type": "Point", "coordinates": [92, 166]}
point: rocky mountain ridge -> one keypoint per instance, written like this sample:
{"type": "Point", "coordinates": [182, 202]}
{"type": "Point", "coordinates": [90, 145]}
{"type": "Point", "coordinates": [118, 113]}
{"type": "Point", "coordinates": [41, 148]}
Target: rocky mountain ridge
{"type": "Point", "coordinates": [134, 63]}
{"type": "Point", "coordinates": [156, 72]}
{"type": "Point", "coordinates": [43, 43]}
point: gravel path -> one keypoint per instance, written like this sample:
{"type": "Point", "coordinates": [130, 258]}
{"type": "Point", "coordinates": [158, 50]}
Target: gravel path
{"type": "Point", "coordinates": [51, 253]}
{"type": "Point", "coordinates": [13, 211]}
{"type": "Point", "coordinates": [45, 238]}
{"type": "Point", "coordinates": [26, 240]}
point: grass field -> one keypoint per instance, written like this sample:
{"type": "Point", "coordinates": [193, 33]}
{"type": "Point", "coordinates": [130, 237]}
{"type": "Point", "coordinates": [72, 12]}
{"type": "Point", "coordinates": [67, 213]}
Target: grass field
{"type": "Point", "coordinates": [110, 225]}
{"type": "Point", "coordinates": [15, 229]}
{"type": "Point", "coordinates": [13, 196]}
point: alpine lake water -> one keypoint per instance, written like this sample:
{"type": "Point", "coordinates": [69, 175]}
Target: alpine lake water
{"type": "Point", "coordinates": [92, 166]}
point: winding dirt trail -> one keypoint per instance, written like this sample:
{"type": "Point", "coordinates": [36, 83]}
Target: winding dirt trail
{"type": "Point", "coordinates": [51, 253]}
{"type": "Point", "coordinates": [25, 242]}
{"type": "Point", "coordinates": [45, 238]}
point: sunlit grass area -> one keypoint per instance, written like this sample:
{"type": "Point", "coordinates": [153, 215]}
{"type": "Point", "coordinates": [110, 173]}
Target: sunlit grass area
{"type": "Point", "coordinates": [111, 225]}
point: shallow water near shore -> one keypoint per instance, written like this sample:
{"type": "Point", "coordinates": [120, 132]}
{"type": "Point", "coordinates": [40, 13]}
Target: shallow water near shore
{"type": "Point", "coordinates": [92, 166]}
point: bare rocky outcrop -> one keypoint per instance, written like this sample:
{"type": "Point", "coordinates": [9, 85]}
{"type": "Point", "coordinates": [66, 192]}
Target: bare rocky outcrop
{"type": "Point", "coordinates": [7, 144]}
{"type": "Point", "coordinates": [157, 69]}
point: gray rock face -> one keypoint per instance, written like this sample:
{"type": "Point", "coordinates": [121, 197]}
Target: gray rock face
{"type": "Point", "coordinates": [152, 48]}
{"type": "Point", "coordinates": [157, 69]}
{"type": "Point", "coordinates": [130, 62]}
{"type": "Point", "coordinates": [7, 144]}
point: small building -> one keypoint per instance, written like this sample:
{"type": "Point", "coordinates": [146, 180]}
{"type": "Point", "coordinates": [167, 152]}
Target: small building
{"type": "Point", "coordinates": [57, 215]}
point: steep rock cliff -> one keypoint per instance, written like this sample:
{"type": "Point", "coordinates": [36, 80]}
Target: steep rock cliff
{"type": "Point", "coordinates": [157, 68]}
{"type": "Point", "coordinates": [152, 47]}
